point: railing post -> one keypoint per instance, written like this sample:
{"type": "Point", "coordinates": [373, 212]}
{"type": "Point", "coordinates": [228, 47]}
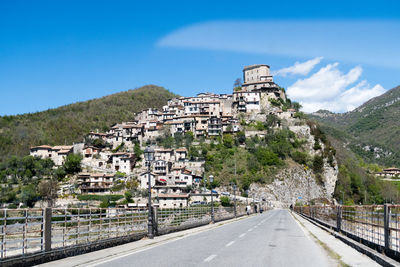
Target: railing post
{"type": "Point", "coordinates": [338, 218]}
{"type": "Point", "coordinates": [47, 229]}
{"type": "Point", "coordinates": [386, 218]}
{"type": "Point", "coordinates": [155, 221]}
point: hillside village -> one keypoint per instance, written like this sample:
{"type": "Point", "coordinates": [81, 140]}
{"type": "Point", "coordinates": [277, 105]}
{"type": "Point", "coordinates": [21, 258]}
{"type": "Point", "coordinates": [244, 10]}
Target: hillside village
{"type": "Point", "coordinates": [114, 156]}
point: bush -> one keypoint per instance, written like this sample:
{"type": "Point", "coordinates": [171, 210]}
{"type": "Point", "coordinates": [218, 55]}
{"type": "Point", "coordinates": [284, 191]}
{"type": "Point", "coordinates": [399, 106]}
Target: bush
{"type": "Point", "coordinates": [225, 201]}
{"type": "Point", "coordinates": [241, 137]}
{"type": "Point", "coordinates": [100, 197]}
{"type": "Point", "coordinates": [318, 164]}
{"type": "Point", "coordinates": [299, 157]}
{"type": "Point", "coordinates": [228, 140]}
{"type": "Point", "coordinates": [267, 157]}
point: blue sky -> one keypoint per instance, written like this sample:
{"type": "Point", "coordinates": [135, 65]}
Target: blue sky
{"type": "Point", "coordinates": [54, 53]}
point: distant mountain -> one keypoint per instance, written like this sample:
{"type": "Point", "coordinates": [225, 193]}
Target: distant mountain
{"type": "Point", "coordinates": [371, 130]}
{"type": "Point", "coordinates": [70, 123]}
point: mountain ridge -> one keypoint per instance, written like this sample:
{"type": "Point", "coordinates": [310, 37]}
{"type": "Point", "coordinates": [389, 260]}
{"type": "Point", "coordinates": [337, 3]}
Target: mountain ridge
{"type": "Point", "coordinates": [69, 123]}
{"type": "Point", "coordinates": [372, 130]}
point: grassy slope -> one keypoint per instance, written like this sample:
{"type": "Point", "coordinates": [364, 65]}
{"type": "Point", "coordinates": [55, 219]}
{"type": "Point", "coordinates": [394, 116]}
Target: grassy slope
{"type": "Point", "coordinates": [374, 123]}
{"type": "Point", "coordinates": [70, 123]}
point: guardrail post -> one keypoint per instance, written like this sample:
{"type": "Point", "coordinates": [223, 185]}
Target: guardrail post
{"type": "Point", "coordinates": [386, 218]}
{"type": "Point", "coordinates": [338, 218]}
{"type": "Point", "coordinates": [47, 229]}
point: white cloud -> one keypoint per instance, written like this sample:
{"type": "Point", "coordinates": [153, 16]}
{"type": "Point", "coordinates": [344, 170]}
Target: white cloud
{"type": "Point", "coordinates": [328, 89]}
{"type": "Point", "coordinates": [302, 68]}
{"type": "Point", "coordinates": [349, 41]}
{"type": "Point", "coordinates": [354, 97]}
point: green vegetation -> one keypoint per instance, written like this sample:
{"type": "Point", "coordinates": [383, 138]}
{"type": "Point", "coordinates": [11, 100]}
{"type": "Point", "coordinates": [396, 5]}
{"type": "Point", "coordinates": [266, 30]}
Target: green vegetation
{"type": "Point", "coordinates": [225, 201]}
{"type": "Point", "coordinates": [21, 180]}
{"type": "Point", "coordinates": [371, 130]}
{"type": "Point", "coordinates": [72, 164]}
{"type": "Point", "coordinates": [112, 198]}
{"type": "Point", "coordinates": [68, 124]}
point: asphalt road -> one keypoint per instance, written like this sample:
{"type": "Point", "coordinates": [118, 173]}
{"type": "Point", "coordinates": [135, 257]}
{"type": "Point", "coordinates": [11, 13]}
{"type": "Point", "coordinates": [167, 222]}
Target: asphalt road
{"type": "Point", "coordinates": [269, 239]}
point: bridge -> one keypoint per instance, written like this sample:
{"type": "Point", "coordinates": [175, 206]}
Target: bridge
{"type": "Point", "coordinates": [187, 237]}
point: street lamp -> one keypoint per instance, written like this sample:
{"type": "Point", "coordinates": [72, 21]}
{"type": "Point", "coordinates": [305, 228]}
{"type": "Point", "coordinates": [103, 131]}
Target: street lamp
{"type": "Point", "coordinates": [211, 179]}
{"type": "Point", "coordinates": [149, 157]}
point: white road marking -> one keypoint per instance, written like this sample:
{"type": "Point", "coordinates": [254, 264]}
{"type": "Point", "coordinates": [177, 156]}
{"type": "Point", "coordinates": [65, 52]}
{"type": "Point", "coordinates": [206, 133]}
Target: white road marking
{"type": "Point", "coordinates": [251, 229]}
{"type": "Point", "coordinates": [242, 235]}
{"type": "Point", "coordinates": [229, 244]}
{"type": "Point", "coordinates": [255, 227]}
{"type": "Point", "coordinates": [210, 258]}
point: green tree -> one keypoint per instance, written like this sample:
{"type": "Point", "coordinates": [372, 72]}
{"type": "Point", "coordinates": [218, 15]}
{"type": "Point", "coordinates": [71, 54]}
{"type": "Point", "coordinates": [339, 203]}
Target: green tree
{"type": "Point", "coordinates": [318, 164]}
{"type": "Point", "coordinates": [137, 150]}
{"type": "Point", "coordinates": [72, 163]}
{"type": "Point", "coordinates": [128, 196]}
{"type": "Point", "coordinates": [28, 195]}
{"type": "Point", "coordinates": [241, 137]}
{"type": "Point", "coordinates": [228, 140]}
{"type": "Point", "coordinates": [189, 137]}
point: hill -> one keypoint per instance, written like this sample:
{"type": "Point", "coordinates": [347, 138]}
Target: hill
{"type": "Point", "coordinates": [68, 124]}
{"type": "Point", "coordinates": [372, 131]}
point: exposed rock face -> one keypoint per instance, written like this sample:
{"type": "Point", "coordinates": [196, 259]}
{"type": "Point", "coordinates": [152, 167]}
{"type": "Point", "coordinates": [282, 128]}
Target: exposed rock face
{"type": "Point", "coordinates": [297, 183]}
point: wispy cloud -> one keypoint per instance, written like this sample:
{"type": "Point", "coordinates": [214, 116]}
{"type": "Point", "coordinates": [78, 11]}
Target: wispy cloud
{"type": "Point", "coordinates": [299, 68]}
{"type": "Point", "coordinates": [329, 89]}
{"type": "Point", "coordinates": [347, 41]}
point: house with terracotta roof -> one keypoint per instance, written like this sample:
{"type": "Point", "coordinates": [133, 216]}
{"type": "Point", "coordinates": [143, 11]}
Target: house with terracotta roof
{"type": "Point", "coordinates": [57, 154]}
{"type": "Point", "coordinates": [43, 151]}
{"type": "Point", "coordinates": [173, 200]}
{"type": "Point", "coordinates": [181, 154]}
{"type": "Point", "coordinates": [95, 183]}
{"type": "Point", "coordinates": [123, 162]}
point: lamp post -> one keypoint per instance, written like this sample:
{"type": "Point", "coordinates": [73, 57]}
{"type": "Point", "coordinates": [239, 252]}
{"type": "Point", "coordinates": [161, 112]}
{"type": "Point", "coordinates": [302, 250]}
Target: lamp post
{"type": "Point", "coordinates": [211, 179]}
{"type": "Point", "coordinates": [149, 157]}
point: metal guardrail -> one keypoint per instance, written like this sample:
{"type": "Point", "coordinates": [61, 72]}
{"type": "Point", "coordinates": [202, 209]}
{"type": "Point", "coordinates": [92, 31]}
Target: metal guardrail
{"type": "Point", "coordinates": [21, 231]}
{"type": "Point", "coordinates": [377, 226]}
{"type": "Point", "coordinates": [27, 232]}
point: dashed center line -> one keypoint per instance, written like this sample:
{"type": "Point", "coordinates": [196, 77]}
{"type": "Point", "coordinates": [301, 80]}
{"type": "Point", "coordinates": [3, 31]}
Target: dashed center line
{"type": "Point", "coordinates": [210, 258]}
{"type": "Point", "coordinates": [251, 229]}
{"type": "Point", "coordinates": [229, 244]}
{"type": "Point", "coordinates": [242, 235]}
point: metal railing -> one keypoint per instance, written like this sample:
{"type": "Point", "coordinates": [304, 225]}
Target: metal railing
{"type": "Point", "coordinates": [377, 226]}
{"type": "Point", "coordinates": [21, 231]}
{"type": "Point", "coordinates": [27, 232]}
{"type": "Point", "coordinates": [84, 226]}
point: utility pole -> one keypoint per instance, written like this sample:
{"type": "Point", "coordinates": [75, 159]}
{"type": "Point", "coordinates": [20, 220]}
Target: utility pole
{"type": "Point", "coordinates": [234, 194]}
{"type": "Point", "coordinates": [365, 197]}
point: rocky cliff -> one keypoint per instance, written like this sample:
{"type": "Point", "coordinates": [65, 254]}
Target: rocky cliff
{"type": "Point", "coordinates": [297, 182]}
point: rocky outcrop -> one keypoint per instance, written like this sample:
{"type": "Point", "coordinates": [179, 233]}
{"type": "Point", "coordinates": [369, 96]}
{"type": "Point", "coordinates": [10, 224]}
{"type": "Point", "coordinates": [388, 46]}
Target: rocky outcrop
{"type": "Point", "coordinates": [298, 183]}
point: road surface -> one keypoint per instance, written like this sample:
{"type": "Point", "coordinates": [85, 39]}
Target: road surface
{"type": "Point", "coordinates": [273, 238]}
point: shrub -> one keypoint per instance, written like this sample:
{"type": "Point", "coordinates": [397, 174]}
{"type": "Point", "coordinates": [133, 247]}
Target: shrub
{"type": "Point", "coordinates": [299, 157]}
{"type": "Point", "coordinates": [225, 201]}
{"type": "Point", "coordinates": [318, 164]}
{"type": "Point", "coordinates": [100, 197]}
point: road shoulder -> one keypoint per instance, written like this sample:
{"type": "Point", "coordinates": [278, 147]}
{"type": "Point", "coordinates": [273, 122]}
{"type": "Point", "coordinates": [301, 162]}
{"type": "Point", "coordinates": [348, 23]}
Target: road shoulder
{"type": "Point", "coordinates": [343, 254]}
